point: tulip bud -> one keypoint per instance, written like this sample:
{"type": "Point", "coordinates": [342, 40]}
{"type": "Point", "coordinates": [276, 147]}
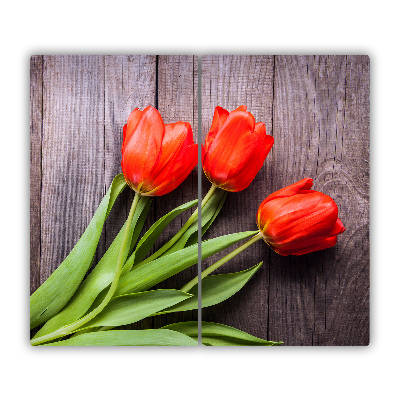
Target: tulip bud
{"type": "Point", "coordinates": [156, 158]}
{"type": "Point", "coordinates": [296, 220]}
{"type": "Point", "coordinates": [235, 149]}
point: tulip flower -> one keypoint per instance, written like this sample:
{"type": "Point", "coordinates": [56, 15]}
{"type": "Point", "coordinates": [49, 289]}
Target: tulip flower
{"type": "Point", "coordinates": [156, 158]}
{"type": "Point", "coordinates": [235, 149]}
{"type": "Point", "coordinates": [296, 220]}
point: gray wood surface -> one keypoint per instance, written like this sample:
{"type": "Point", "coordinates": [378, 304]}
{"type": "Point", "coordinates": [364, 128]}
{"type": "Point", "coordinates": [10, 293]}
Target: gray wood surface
{"type": "Point", "coordinates": [317, 109]}
{"type": "Point", "coordinates": [79, 105]}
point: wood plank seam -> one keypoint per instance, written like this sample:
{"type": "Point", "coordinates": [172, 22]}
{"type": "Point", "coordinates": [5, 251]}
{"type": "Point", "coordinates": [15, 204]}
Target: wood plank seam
{"type": "Point", "coordinates": [330, 110]}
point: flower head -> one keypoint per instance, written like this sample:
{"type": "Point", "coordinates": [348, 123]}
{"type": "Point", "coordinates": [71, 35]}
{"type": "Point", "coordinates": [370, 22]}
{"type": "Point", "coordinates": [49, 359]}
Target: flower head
{"type": "Point", "coordinates": [235, 149]}
{"type": "Point", "coordinates": [156, 158]}
{"type": "Point", "coordinates": [296, 220]}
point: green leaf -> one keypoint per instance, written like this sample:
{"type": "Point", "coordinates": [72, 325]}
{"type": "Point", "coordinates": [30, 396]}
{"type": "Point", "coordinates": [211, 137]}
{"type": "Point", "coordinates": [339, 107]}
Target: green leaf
{"type": "Point", "coordinates": [130, 308]}
{"type": "Point", "coordinates": [208, 214]}
{"type": "Point", "coordinates": [55, 292]}
{"type": "Point", "coordinates": [156, 271]}
{"type": "Point", "coordinates": [99, 278]}
{"type": "Point", "coordinates": [151, 236]}
{"type": "Point", "coordinates": [215, 289]}
{"type": "Point", "coordinates": [146, 337]}
{"type": "Point", "coordinates": [140, 218]}
{"type": "Point", "coordinates": [213, 334]}
{"type": "Point", "coordinates": [218, 199]}
{"type": "Point", "coordinates": [220, 196]}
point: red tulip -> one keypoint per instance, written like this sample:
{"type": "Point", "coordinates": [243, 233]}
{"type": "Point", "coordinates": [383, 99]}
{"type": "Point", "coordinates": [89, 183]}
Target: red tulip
{"type": "Point", "coordinates": [235, 149]}
{"type": "Point", "coordinates": [156, 158]}
{"type": "Point", "coordinates": [296, 220]}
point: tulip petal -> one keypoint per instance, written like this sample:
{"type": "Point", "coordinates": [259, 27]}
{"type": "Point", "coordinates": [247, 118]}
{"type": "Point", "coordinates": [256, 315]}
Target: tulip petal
{"type": "Point", "coordinates": [130, 126]}
{"type": "Point", "coordinates": [321, 245]}
{"type": "Point", "coordinates": [177, 138]}
{"type": "Point", "coordinates": [296, 220]}
{"type": "Point", "coordinates": [248, 173]}
{"type": "Point", "coordinates": [220, 116]}
{"type": "Point", "coordinates": [291, 190]}
{"type": "Point", "coordinates": [173, 174]}
{"type": "Point", "coordinates": [123, 135]}
{"type": "Point", "coordinates": [134, 118]}
{"type": "Point", "coordinates": [282, 210]}
{"type": "Point", "coordinates": [123, 141]}
{"type": "Point", "coordinates": [232, 148]}
{"type": "Point", "coordinates": [142, 148]}
{"type": "Point", "coordinates": [338, 228]}
{"type": "Point", "coordinates": [299, 218]}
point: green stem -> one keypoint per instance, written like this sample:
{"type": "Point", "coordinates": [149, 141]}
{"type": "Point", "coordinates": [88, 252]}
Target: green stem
{"type": "Point", "coordinates": [67, 329]}
{"type": "Point", "coordinates": [222, 261]}
{"type": "Point", "coordinates": [179, 234]}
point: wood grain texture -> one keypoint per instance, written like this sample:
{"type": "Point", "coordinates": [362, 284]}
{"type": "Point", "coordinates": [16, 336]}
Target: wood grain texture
{"type": "Point", "coordinates": [36, 123]}
{"type": "Point", "coordinates": [79, 105]}
{"type": "Point", "coordinates": [72, 153]}
{"type": "Point", "coordinates": [320, 123]}
{"type": "Point", "coordinates": [317, 109]}
{"type": "Point", "coordinates": [130, 82]}
{"type": "Point", "coordinates": [230, 81]}
{"type": "Point", "coordinates": [176, 102]}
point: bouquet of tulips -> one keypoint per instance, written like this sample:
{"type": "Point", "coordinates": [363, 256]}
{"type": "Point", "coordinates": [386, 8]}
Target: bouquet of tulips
{"type": "Point", "coordinates": [74, 310]}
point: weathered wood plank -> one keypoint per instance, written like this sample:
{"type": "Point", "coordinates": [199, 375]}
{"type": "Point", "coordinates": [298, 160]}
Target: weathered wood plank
{"type": "Point", "coordinates": [310, 118]}
{"type": "Point", "coordinates": [177, 92]}
{"type": "Point", "coordinates": [349, 289]}
{"type": "Point", "coordinates": [72, 153]}
{"type": "Point", "coordinates": [36, 110]}
{"type": "Point", "coordinates": [230, 81]}
{"type": "Point", "coordinates": [86, 102]}
{"type": "Point", "coordinates": [307, 101]}
{"type": "Point", "coordinates": [130, 82]}
{"type": "Point", "coordinates": [316, 108]}
{"type": "Point", "coordinates": [321, 126]}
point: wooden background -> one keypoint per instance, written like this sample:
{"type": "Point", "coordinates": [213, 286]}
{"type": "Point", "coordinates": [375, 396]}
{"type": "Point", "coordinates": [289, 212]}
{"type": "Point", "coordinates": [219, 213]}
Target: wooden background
{"type": "Point", "coordinates": [79, 105]}
{"type": "Point", "coordinates": [317, 109]}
